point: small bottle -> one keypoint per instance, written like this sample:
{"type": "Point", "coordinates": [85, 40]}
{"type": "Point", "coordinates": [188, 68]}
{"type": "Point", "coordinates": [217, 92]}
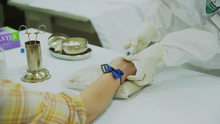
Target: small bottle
{"type": "Point", "coordinates": [3, 67]}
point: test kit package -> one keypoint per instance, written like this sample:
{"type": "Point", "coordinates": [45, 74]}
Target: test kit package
{"type": "Point", "coordinates": [9, 38]}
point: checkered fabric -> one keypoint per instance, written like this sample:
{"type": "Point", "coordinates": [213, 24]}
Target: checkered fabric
{"type": "Point", "coordinates": [20, 105]}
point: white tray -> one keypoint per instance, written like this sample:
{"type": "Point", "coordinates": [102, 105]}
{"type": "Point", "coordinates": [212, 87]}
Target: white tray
{"type": "Point", "coordinates": [73, 57]}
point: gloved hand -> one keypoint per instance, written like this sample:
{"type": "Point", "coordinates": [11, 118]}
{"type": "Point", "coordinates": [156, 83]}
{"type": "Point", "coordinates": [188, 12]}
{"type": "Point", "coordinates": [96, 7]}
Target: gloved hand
{"type": "Point", "coordinates": [127, 67]}
{"type": "Point", "coordinates": [148, 59]}
{"type": "Point", "coordinates": [141, 38]}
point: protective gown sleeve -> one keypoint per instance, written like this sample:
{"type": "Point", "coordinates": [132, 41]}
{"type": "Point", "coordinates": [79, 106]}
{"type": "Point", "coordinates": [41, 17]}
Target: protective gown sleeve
{"type": "Point", "coordinates": [184, 30]}
{"type": "Point", "coordinates": [192, 44]}
{"type": "Point", "coordinates": [169, 16]}
{"type": "Point", "coordinates": [160, 15]}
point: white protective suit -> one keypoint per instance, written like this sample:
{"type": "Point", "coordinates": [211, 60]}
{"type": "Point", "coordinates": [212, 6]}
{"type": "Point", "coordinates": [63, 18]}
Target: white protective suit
{"type": "Point", "coordinates": [188, 31]}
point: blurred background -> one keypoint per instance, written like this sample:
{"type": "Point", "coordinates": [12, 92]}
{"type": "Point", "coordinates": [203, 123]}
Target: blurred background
{"type": "Point", "coordinates": [15, 14]}
{"type": "Point", "coordinates": [10, 16]}
{"type": "Point", "coordinates": [105, 23]}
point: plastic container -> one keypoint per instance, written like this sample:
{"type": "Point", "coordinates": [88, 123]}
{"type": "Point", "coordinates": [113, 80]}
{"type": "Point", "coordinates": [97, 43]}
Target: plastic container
{"type": "Point", "coordinates": [3, 67]}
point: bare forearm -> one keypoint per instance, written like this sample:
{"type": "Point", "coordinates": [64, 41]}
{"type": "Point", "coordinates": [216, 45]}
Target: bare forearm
{"type": "Point", "coordinates": [99, 94]}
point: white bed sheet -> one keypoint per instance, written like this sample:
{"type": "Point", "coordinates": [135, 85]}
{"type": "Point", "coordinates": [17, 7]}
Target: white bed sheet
{"type": "Point", "coordinates": [177, 95]}
{"type": "Point", "coordinates": [113, 20]}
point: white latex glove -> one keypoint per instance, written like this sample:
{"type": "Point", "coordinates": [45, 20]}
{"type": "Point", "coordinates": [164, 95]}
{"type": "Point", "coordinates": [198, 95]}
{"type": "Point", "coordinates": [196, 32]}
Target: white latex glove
{"type": "Point", "coordinates": [141, 38]}
{"type": "Point", "coordinates": [148, 59]}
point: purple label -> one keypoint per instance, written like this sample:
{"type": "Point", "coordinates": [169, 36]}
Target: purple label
{"type": "Point", "coordinates": [4, 32]}
{"type": "Point", "coordinates": [5, 36]}
{"type": "Point", "coordinates": [6, 40]}
{"type": "Point", "coordinates": [9, 45]}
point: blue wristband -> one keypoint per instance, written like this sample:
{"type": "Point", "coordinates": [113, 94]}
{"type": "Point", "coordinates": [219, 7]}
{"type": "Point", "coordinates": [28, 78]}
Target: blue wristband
{"type": "Point", "coordinates": [117, 73]}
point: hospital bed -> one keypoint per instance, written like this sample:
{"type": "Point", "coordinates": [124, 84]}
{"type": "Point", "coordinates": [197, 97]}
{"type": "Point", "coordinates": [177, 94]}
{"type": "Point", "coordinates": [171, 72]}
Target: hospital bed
{"type": "Point", "coordinates": [112, 20]}
{"type": "Point", "coordinates": [176, 96]}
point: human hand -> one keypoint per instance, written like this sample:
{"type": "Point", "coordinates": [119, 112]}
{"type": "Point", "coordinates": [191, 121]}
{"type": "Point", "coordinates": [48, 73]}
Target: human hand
{"type": "Point", "coordinates": [141, 38]}
{"type": "Point", "coordinates": [148, 59]}
{"type": "Point", "coordinates": [127, 67]}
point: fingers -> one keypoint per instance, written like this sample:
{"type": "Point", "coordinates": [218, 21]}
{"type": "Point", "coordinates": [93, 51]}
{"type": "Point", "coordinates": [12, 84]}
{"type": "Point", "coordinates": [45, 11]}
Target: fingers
{"type": "Point", "coordinates": [141, 47]}
{"type": "Point", "coordinates": [146, 80]}
{"type": "Point", "coordinates": [131, 58]}
{"type": "Point", "coordinates": [144, 76]}
{"type": "Point", "coordinates": [127, 44]}
{"type": "Point", "coordinates": [134, 45]}
{"type": "Point", "coordinates": [133, 41]}
{"type": "Point", "coordinates": [136, 49]}
{"type": "Point", "coordinates": [139, 76]}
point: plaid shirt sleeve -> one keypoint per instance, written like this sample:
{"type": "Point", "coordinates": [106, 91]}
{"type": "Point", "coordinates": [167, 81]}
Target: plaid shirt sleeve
{"type": "Point", "coordinates": [20, 105]}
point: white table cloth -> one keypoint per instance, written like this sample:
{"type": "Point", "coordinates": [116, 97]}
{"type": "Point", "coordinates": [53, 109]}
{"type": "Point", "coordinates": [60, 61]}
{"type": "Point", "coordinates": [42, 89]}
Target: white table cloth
{"type": "Point", "coordinates": [177, 95]}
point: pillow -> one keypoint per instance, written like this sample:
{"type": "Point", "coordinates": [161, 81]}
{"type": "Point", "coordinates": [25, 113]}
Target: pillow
{"type": "Point", "coordinates": [86, 76]}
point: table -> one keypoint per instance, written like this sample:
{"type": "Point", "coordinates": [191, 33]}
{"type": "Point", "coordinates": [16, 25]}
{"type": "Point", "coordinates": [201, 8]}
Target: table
{"type": "Point", "coordinates": [58, 68]}
{"type": "Point", "coordinates": [177, 95]}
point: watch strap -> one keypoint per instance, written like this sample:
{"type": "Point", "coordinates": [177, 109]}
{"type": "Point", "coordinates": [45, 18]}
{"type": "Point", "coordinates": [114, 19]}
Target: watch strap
{"type": "Point", "coordinates": [117, 73]}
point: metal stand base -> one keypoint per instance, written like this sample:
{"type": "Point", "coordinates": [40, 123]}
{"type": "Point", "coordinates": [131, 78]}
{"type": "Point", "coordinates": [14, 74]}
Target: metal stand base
{"type": "Point", "coordinates": [36, 76]}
